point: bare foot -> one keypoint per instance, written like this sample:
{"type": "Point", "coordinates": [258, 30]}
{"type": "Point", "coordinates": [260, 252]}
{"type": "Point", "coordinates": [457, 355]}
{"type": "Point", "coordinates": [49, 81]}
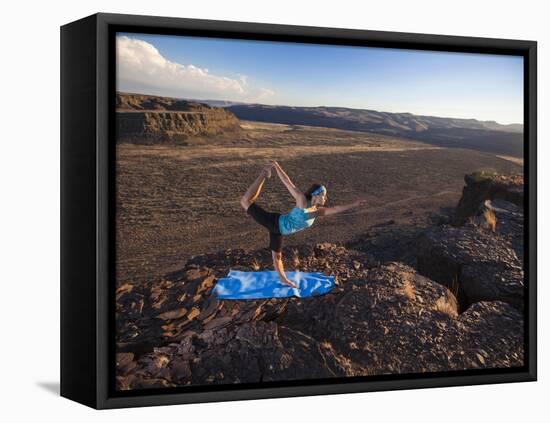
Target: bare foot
{"type": "Point", "coordinates": [289, 283]}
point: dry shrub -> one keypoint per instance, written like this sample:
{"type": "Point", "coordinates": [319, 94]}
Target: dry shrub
{"type": "Point", "coordinates": [255, 265]}
{"type": "Point", "coordinates": [446, 305]}
{"type": "Point", "coordinates": [295, 258]}
{"type": "Point", "coordinates": [491, 219]}
{"type": "Point", "coordinates": [455, 286]}
{"type": "Point", "coordinates": [484, 174]}
{"type": "Point", "coordinates": [408, 290]}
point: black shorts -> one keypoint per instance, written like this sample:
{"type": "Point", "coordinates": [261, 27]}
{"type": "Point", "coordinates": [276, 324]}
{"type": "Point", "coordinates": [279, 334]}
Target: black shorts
{"type": "Point", "coordinates": [270, 221]}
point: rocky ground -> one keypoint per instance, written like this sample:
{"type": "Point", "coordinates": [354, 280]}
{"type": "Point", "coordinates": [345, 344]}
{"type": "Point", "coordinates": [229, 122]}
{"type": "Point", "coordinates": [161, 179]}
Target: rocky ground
{"type": "Point", "coordinates": [460, 307]}
{"type": "Point", "coordinates": [176, 202]}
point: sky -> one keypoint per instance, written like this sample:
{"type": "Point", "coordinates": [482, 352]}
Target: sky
{"type": "Point", "coordinates": [460, 85]}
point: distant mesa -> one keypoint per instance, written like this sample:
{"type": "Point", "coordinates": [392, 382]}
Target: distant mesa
{"type": "Point", "coordinates": [486, 136]}
{"type": "Point", "coordinates": [361, 119]}
{"type": "Point", "coordinates": [145, 119]}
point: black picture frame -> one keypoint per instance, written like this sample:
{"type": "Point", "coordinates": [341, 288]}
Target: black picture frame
{"type": "Point", "coordinates": [87, 207]}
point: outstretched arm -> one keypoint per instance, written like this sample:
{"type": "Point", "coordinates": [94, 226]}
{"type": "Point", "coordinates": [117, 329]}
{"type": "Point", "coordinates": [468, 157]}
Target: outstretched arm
{"type": "Point", "coordinates": [293, 189]}
{"type": "Point", "coordinates": [327, 211]}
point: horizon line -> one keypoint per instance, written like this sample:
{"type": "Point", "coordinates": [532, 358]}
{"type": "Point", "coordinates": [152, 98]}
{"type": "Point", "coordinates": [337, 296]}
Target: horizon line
{"type": "Point", "coordinates": [342, 107]}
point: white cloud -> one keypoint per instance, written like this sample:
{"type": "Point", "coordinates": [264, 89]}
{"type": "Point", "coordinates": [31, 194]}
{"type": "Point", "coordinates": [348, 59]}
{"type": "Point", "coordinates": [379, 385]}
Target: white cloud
{"type": "Point", "coordinates": [141, 67]}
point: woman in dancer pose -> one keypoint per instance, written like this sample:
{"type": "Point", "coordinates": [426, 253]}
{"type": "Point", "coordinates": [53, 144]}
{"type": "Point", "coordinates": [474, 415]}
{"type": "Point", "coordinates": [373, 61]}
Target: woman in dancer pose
{"type": "Point", "coordinates": [309, 205]}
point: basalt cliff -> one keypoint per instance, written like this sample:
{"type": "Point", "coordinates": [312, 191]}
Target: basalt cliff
{"type": "Point", "coordinates": [144, 119]}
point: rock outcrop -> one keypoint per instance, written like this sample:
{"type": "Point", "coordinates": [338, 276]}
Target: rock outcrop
{"type": "Point", "coordinates": [482, 186]}
{"type": "Point", "coordinates": [379, 319]}
{"type": "Point", "coordinates": [475, 263]}
{"type": "Point", "coordinates": [480, 256]}
{"type": "Point", "coordinates": [142, 119]}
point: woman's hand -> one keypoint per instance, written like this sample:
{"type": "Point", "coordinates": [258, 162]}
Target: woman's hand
{"type": "Point", "coordinates": [274, 164]}
{"type": "Point", "coordinates": [294, 191]}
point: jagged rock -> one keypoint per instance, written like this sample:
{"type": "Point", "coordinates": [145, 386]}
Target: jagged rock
{"type": "Point", "coordinates": [480, 187]}
{"type": "Point", "coordinates": [387, 320]}
{"type": "Point", "coordinates": [248, 353]}
{"type": "Point", "coordinates": [389, 243]}
{"type": "Point", "coordinates": [173, 314]}
{"type": "Point", "coordinates": [476, 264]}
{"type": "Point", "coordinates": [509, 222]}
{"type": "Point", "coordinates": [376, 325]}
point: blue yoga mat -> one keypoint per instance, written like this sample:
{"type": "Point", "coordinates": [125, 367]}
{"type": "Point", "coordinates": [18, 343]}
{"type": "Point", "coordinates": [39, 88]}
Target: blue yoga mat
{"type": "Point", "coordinates": [239, 285]}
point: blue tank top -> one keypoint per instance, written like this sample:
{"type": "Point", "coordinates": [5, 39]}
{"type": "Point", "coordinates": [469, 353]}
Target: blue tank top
{"type": "Point", "coordinates": [294, 221]}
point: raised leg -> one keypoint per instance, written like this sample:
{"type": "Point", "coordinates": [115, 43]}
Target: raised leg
{"type": "Point", "coordinates": [253, 191]}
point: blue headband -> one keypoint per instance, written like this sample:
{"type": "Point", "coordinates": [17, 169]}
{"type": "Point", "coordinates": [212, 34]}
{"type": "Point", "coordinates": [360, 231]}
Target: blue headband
{"type": "Point", "coordinates": [319, 190]}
